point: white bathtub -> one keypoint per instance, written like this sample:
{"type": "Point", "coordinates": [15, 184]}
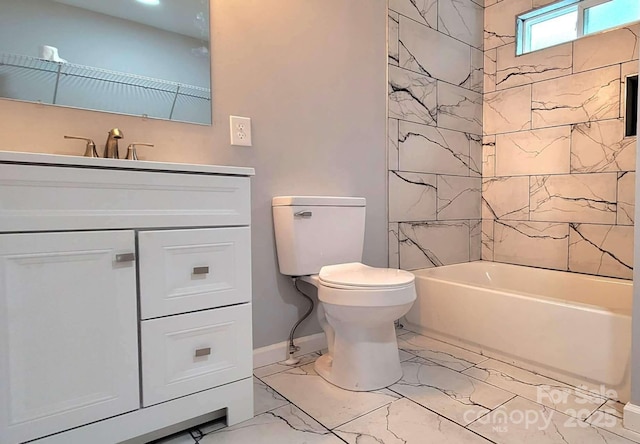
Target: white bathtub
{"type": "Point", "coordinates": [573, 327]}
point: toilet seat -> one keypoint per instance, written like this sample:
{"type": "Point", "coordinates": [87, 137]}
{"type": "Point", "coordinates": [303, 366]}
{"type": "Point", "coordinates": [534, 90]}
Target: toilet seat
{"type": "Point", "coordinates": [357, 276]}
{"type": "Point", "coordinates": [358, 285]}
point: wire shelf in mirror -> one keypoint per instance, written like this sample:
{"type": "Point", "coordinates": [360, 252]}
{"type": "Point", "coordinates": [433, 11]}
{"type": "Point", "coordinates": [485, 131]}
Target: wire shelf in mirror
{"type": "Point", "coordinates": [62, 73]}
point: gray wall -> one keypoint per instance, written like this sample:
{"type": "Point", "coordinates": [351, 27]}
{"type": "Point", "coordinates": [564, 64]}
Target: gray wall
{"type": "Point", "coordinates": [312, 76]}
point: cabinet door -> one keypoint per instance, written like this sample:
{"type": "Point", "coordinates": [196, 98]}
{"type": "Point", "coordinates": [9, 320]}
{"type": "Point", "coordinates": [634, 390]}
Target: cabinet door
{"type": "Point", "coordinates": [68, 331]}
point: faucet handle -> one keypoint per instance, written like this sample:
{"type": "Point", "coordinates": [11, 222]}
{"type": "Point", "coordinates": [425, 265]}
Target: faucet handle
{"type": "Point", "coordinates": [90, 150]}
{"type": "Point", "coordinates": [131, 150]}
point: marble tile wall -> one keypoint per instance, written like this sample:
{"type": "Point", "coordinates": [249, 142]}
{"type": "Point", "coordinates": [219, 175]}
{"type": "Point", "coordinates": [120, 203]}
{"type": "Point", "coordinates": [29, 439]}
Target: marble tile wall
{"type": "Point", "coordinates": [435, 132]}
{"type": "Point", "coordinates": [557, 172]}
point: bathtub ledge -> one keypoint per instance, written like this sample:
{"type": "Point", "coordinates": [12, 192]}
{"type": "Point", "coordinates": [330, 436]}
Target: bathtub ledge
{"type": "Point", "coordinates": [631, 417]}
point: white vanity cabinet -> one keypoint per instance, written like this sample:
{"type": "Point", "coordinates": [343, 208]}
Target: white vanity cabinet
{"type": "Point", "coordinates": [125, 297]}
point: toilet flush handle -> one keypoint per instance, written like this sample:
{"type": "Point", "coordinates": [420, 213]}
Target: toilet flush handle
{"type": "Point", "coordinates": [305, 213]}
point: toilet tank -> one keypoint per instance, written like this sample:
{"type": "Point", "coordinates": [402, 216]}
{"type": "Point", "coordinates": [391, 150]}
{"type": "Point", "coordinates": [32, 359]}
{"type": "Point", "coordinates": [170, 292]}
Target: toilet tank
{"type": "Point", "coordinates": [314, 231]}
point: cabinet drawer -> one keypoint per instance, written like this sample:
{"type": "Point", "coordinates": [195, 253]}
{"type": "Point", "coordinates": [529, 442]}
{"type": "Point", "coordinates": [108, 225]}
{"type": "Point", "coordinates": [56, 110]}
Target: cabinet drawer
{"type": "Point", "coordinates": [188, 353]}
{"type": "Point", "coordinates": [36, 198]}
{"type": "Point", "coordinates": [190, 270]}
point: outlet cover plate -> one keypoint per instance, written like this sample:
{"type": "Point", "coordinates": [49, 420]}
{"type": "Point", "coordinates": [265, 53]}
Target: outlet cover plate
{"type": "Point", "coordinates": [240, 130]}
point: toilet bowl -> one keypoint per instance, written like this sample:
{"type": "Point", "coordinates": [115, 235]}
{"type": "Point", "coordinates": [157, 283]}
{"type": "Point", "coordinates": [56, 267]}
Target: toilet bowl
{"type": "Point", "coordinates": [320, 240]}
{"type": "Point", "coordinates": [358, 307]}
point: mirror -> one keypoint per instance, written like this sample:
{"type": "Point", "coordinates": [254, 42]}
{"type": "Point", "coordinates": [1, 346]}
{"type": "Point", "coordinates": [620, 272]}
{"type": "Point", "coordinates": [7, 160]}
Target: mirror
{"type": "Point", "coordinates": [137, 57]}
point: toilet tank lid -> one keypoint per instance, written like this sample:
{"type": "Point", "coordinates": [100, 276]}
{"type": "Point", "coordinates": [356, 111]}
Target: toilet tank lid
{"type": "Point", "coordinates": [319, 201]}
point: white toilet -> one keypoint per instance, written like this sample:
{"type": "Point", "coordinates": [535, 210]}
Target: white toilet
{"type": "Point", "coordinates": [320, 239]}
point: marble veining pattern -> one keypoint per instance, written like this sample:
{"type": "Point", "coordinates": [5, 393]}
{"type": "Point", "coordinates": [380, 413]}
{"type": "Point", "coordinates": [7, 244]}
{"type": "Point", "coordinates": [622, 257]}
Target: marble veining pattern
{"type": "Point", "coordinates": [574, 198]}
{"type": "Point", "coordinates": [459, 109]}
{"type": "Point", "coordinates": [540, 244]}
{"type": "Point", "coordinates": [548, 426]}
{"type": "Point", "coordinates": [394, 246]}
{"type": "Point", "coordinates": [475, 240]}
{"type": "Point", "coordinates": [439, 352]}
{"type": "Point", "coordinates": [458, 197]}
{"type": "Point", "coordinates": [477, 70]}
{"type": "Point", "coordinates": [265, 398]}
{"type": "Point", "coordinates": [489, 70]}
{"type": "Point", "coordinates": [422, 11]}
{"type": "Point", "coordinates": [475, 154]}
{"type": "Point", "coordinates": [461, 19]}
{"type": "Point", "coordinates": [434, 147]}
{"type": "Point", "coordinates": [535, 66]}
{"type": "Point", "coordinates": [499, 21]}
{"type": "Point", "coordinates": [626, 198]}
{"type": "Point", "coordinates": [393, 150]}
{"type": "Point", "coordinates": [393, 49]}
{"type": "Point", "coordinates": [412, 196]}
{"type": "Point", "coordinates": [487, 240]}
{"type": "Point", "coordinates": [405, 422]}
{"type": "Point", "coordinates": [555, 118]}
{"type": "Point", "coordinates": [447, 395]}
{"type": "Point", "coordinates": [412, 96]}
{"type": "Point", "coordinates": [615, 46]}
{"type": "Point", "coordinates": [447, 392]}
{"type": "Point", "coordinates": [326, 403]}
{"type": "Point", "coordinates": [601, 146]}
{"type": "Point", "coordinates": [429, 149]}
{"type": "Point", "coordinates": [544, 151]}
{"type": "Point", "coordinates": [488, 156]}
{"type": "Point", "coordinates": [583, 97]}
{"type": "Point", "coordinates": [601, 249]}
{"type": "Point", "coordinates": [450, 63]}
{"type": "Point", "coordinates": [536, 388]}
{"type": "Point", "coordinates": [433, 244]}
{"type": "Point", "coordinates": [507, 110]}
{"type": "Point", "coordinates": [505, 198]}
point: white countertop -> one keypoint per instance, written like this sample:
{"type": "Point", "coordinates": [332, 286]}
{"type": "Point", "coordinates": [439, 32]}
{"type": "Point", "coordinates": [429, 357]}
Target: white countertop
{"type": "Point", "coordinates": [120, 164]}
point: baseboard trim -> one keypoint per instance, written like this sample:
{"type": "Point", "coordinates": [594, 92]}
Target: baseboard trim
{"type": "Point", "coordinates": [279, 352]}
{"type": "Point", "coordinates": [631, 417]}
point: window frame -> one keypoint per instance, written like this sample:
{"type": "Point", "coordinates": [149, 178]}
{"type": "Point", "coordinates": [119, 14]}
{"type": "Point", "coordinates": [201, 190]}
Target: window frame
{"type": "Point", "coordinates": [584, 5]}
{"type": "Point", "coordinates": [528, 19]}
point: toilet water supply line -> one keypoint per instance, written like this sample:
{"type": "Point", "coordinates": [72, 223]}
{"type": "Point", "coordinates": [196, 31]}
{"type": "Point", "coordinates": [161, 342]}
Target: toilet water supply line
{"type": "Point", "coordinates": [292, 347]}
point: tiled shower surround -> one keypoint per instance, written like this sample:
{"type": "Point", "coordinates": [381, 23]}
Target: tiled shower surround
{"type": "Point", "coordinates": [435, 127]}
{"type": "Point", "coordinates": [557, 173]}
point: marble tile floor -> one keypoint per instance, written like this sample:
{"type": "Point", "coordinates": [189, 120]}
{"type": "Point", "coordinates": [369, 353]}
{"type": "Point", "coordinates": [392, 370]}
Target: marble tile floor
{"type": "Point", "coordinates": [447, 395]}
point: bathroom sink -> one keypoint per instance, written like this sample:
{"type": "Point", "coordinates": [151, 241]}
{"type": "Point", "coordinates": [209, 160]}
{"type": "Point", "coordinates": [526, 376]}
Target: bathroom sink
{"type": "Point", "coordinates": [121, 164]}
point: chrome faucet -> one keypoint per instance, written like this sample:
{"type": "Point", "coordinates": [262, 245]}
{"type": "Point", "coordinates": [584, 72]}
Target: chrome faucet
{"type": "Point", "coordinates": [111, 147]}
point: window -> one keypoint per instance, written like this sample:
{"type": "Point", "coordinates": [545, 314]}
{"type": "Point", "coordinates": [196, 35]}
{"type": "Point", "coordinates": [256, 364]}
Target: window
{"type": "Point", "coordinates": [568, 20]}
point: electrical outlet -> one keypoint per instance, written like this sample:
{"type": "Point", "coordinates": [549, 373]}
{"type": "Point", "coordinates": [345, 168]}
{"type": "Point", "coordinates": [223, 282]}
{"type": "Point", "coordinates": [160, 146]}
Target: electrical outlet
{"type": "Point", "coordinates": [240, 130]}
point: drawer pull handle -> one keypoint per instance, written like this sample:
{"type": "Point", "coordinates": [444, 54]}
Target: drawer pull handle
{"type": "Point", "coordinates": [125, 257]}
{"type": "Point", "coordinates": [200, 270]}
{"type": "Point", "coordinates": [203, 352]}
